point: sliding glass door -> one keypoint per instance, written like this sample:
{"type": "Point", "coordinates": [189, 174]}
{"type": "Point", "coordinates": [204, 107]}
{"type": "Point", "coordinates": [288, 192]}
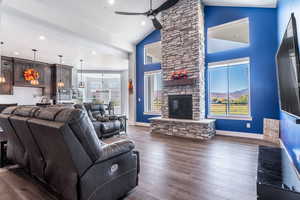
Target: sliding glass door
{"type": "Point", "coordinates": [102, 87]}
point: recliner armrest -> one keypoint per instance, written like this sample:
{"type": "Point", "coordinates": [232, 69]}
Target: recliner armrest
{"type": "Point", "coordinates": [115, 149]}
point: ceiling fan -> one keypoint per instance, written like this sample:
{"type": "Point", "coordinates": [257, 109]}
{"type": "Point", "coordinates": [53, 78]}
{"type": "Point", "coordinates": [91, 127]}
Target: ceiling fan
{"type": "Point", "coordinates": [152, 13]}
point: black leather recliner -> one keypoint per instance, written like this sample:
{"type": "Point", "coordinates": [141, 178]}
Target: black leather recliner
{"type": "Point", "coordinates": [59, 146]}
{"type": "Point", "coordinates": [104, 129]}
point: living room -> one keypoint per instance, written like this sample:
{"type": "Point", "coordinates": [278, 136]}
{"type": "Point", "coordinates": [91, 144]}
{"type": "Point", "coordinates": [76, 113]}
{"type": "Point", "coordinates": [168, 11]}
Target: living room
{"type": "Point", "coordinates": [149, 99]}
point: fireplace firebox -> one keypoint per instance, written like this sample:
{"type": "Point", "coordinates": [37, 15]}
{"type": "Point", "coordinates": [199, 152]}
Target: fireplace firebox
{"type": "Point", "coordinates": [180, 106]}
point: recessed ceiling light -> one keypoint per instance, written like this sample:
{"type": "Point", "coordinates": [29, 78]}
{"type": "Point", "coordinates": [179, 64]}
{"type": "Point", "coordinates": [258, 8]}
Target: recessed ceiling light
{"type": "Point", "coordinates": [94, 52]}
{"type": "Point", "coordinates": [143, 23]}
{"type": "Point", "coordinates": [16, 53]}
{"type": "Point", "coordinates": [111, 2]}
{"type": "Point", "coordinates": [42, 37]}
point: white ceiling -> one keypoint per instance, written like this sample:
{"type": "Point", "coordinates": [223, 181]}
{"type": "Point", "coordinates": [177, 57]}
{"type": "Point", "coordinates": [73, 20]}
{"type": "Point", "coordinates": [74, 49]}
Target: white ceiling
{"type": "Point", "coordinates": [76, 28]}
{"type": "Point", "coordinates": [242, 3]}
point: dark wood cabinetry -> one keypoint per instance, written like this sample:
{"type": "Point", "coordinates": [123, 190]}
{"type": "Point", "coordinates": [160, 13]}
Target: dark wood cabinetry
{"type": "Point", "coordinates": [63, 73]}
{"type": "Point", "coordinates": [7, 70]}
{"type": "Point", "coordinates": [44, 69]}
{"type": "Point", "coordinates": [13, 70]}
{"type": "Point", "coordinates": [20, 65]}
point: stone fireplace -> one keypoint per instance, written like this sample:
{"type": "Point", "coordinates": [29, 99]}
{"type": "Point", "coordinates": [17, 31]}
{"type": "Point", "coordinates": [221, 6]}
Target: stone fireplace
{"type": "Point", "coordinates": [183, 49]}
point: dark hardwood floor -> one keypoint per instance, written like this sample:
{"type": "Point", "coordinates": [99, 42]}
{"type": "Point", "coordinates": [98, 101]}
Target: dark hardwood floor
{"type": "Point", "coordinates": [172, 169]}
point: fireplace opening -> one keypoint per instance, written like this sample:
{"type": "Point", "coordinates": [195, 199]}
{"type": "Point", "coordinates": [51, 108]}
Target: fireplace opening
{"type": "Point", "coordinates": [180, 106]}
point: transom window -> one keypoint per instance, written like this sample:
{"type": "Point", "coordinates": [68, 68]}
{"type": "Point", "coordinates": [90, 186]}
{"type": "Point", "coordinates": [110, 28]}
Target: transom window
{"type": "Point", "coordinates": [153, 92]}
{"type": "Point", "coordinates": [152, 53]}
{"type": "Point", "coordinates": [228, 36]}
{"type": "Point", "coordinates": [229, 91]}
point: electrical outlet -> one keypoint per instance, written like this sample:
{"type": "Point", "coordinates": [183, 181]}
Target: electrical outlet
{"type": "Point", "coordinates": [248, 125]}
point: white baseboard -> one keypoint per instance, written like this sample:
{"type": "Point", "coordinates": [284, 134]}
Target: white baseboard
{"type": "Point", "coordinates": [290, 158]}
{"type": "Point", "coordinates": [131, 123]}
{"type": "Point", "coordinates": [240, 134]}
{"type": "Point", "coordinates": [142, 124]}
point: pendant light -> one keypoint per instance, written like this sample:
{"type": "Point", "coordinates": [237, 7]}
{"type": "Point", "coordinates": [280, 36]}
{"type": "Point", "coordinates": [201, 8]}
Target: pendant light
{"type": "Point", "coordinates": [2, 77]}
{"type": "Point", "coordinates": [60, 84]}
{"type": "Point", "coordinates": [81, 83]}
{"type": "Point", "coordinates": [35, 81]}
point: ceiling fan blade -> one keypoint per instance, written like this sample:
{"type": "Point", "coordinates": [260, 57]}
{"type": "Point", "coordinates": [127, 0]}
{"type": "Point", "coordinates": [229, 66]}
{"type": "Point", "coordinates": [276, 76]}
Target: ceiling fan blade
{"type": "Point", "coordinates": [156, 23]}
{"type": "Point", "coordinates": [168, 4]}
{"type": "Point", "coordinates": [129, 13]}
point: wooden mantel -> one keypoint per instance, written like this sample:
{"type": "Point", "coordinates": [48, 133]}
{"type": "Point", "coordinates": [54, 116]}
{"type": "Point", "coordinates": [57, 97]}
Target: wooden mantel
{"type": "Point", "coordinates": [180, 82]}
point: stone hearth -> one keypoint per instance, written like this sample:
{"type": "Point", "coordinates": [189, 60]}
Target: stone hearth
{"type": "Point", "coordinates": [182, 39]}
{"type": "Point", "coordinates": [202, 129]}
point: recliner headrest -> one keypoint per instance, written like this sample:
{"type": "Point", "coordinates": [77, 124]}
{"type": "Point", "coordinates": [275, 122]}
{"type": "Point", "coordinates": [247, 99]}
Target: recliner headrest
{"type": "Point", "coordinates": [95, 107]}
{"type": "Point", "coordinates": [48, 113]}
{"type": "Point", "coordinates": [26, 111]}
{"type": "Point", "coordinates": [9, 110]}
{"type": "Point", "coordinates": [69, 115]}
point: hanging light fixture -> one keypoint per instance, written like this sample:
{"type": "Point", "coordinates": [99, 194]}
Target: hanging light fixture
{"type": "Point", "coordinates": [81, 83]}
{"type": "Point", "coordinates": [2, 77]}
{"type": "Point", "coordinates": [35, 81]}
{"type": "Point", "coordinates": [60, 84]}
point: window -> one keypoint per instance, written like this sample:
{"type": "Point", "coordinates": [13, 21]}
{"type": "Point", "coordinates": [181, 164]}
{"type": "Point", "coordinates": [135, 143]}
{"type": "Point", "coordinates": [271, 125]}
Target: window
{"type": "Point", "coordinates": [102, 88]}
{"type": "Point", "coordinates": [152, 53]}
{"type": "Point", "coordinates": [153, 92]}
{"type": "Point", "coordinates": [229, 92]}
{"type": "Point", "coordinates": [228, 36]}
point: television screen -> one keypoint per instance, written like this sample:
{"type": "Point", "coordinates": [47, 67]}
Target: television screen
{"type": "Point", "coordinates": [288, 70]}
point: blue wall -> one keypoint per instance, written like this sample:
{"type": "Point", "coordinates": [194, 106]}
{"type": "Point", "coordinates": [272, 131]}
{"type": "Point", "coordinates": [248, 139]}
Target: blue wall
{"type": "Point", "coordinates": [264, 43]}
{"type": "Point", "coordinates": [140, 69]}
{"type": "Point", "coordinates": [262, 50]}
{"type": "Point", "coordinates": [290, 132]}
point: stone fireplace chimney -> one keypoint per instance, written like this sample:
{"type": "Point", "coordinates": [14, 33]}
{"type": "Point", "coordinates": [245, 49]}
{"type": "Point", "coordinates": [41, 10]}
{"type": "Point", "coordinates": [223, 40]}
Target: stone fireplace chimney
{"type": "Point", "coordinates": [183, 48]}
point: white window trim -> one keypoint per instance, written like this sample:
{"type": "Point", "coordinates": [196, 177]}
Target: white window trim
{"type": "Point", "coordinates": [231, 62]}
{"type": "Point", "coordinates": [227, 63]}
{"type": "Point", "coordinates": [152, 72]}
{"type": "Point", "coordinates": [152, 113]}
{"type": "Point", "coordinates": [242, 118]}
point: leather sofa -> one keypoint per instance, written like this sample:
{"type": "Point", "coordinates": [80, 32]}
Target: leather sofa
{"type": "Point", "coordinates": [59, 147]}
{"type": "Point", "coordinates": [104, 129]}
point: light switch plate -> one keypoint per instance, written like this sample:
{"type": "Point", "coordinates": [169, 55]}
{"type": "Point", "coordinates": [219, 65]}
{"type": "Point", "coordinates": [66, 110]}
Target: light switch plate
{"type": "Point", "coordinates": [248, 125]}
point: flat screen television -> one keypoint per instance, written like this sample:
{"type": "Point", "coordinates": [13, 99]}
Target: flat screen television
{"type": "Point", "coordinates": [288, 66]}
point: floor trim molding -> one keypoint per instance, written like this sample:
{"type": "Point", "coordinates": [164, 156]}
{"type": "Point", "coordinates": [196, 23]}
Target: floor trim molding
{"type": "Point", "coordinates": [142, 124]}
{"type": "Point", "coordinates": [240, 134]}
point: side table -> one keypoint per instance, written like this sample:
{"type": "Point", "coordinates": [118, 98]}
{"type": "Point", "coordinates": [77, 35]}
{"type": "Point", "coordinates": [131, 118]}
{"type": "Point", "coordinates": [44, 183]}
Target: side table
{"type": "Point", "coordinates": [123, 119]}
{"type": "Point", "coordinates": [3, 148]}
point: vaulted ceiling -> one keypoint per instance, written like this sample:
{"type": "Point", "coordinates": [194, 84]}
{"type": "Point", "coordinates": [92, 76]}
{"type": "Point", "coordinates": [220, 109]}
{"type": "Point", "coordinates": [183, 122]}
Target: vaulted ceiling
{"type": "Point", "coordinates": [82, 29]}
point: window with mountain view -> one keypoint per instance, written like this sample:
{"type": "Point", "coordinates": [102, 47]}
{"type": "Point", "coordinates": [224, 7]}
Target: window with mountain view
{"type": "Point", "coordinates": [229, 91]}
{"type": "Point", "coordinates": [152, 92]}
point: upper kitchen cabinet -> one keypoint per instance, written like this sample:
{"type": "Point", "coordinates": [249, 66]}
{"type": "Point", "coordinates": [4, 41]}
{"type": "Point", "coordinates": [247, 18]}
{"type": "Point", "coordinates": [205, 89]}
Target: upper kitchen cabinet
{"type": "Point", "coordinates": [6, 88]}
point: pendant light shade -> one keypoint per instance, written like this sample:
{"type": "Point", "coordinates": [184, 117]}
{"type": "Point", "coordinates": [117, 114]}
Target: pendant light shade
{"type": "Point", "coordinates": [81, 83]}
{"type": "Point", "coordinates": [34, 82]}
{"type": "Point", "coordinates": [60, 83]}
{"type": "Point", "coordinates": [2, 77]}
